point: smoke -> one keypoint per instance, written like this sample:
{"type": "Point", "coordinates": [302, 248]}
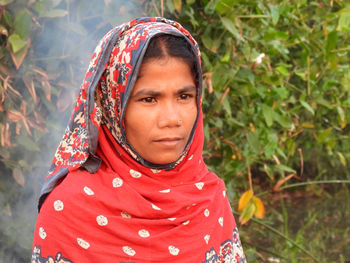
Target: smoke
{"type": "Point", "coordinates": [62, 51]}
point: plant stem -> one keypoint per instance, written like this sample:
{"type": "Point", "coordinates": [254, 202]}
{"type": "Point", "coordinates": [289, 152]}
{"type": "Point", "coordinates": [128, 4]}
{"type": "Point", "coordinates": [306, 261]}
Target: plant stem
{"type": "Point", "coordinates": [282, 235]}
{"type": "Point", "coordinates": [308, 183]}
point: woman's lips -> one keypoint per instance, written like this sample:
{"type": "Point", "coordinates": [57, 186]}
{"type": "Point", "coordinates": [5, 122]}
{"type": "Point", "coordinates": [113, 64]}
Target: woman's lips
{"type": "Point", "coordinates": [168, 141]}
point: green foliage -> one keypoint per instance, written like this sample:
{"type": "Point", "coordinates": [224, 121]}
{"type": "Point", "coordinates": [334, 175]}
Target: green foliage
{"type": "Point", "coordinates": [277, 85]}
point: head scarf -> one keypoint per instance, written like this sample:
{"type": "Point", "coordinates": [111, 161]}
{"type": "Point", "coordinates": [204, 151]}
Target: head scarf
{"type": "Point", "coordinates": [104, 202]}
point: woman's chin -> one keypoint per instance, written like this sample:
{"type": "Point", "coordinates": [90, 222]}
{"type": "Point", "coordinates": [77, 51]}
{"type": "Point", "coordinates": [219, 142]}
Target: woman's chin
{"type": "Point", "coordinates": [163, 159]}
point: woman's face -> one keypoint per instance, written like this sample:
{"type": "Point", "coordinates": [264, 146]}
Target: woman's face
{"type": "Point", "coordinates": [162, 110]}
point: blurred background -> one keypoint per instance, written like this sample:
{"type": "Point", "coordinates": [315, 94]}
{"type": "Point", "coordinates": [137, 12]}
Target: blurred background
{"type": "Point", "coordinates": [276, 111]}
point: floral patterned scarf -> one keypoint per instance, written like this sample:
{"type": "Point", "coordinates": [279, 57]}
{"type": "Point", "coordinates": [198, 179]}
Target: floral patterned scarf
{"type": "Point", "coordinates": [102, 202]}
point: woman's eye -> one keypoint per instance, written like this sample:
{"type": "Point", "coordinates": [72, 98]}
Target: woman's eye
{"type": "Point", "coordinates": [148, 100]}
{"type": "Point", "coordinates": [186, 96]}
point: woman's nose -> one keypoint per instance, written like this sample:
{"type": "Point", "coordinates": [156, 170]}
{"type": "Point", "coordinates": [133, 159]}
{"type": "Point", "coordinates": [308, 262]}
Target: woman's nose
{"type": "Point", "coordinates": [169, 116]}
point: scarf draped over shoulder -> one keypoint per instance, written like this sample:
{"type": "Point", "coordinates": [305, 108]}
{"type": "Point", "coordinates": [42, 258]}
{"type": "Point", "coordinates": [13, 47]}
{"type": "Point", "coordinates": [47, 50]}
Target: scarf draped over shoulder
{"type": "Point", "coordinates": [102, 202]}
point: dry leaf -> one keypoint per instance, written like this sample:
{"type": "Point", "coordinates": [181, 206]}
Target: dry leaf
{"type": "Point", "coordinates": [29, 83]}
{"type": "Point", "coordinates": [276, 188]}
{"type": "Point", "coordinates": [208, 80]}
{"type": "Point", "coordinates": [18, 176]}
{"type": "Point", "coordinates": [64, 100]}
{"type": "Point", "coordinates": [47, 88]}
{"type": "Point", "coordinates": [14, 115]}
{"type": "Point", "coordinates": [276, 159]}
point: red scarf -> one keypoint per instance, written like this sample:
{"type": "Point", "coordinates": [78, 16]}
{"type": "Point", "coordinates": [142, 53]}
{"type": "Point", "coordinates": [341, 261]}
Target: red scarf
{"type": "Point", "coordinates": [128, 212]}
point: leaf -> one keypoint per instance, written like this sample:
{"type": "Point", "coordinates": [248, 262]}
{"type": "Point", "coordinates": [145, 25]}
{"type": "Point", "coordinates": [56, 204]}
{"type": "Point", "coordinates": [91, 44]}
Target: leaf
{"type": "Point", "coordinates": [307, 106]}
{"type": "Point", "coordinates": [247, 213]}
{"type": "Point", "coordinates": [324, 135]}
{"type": "Point", "coordinates": [177, 5]}
{"type": "Point", "coordinates": [283, 121]}
{"type": "Point", "coordinates": [307, 125]}
{"type": "Point", "coordinates": [275, 14]}
{"type": "Point", "coordinates": [245, 198]}
{"type": "Point", "coordinates": [225, 6]}
{"type": "Point", "coordinates": [55, 13]}
{"type": "Point", "coordinates": [228, 24]}
{"type": "Point", "coordinates": [14, 115]}
{"type": "Point", "coordinates": [17, 43]}
{"type": "Point", "coordinates": [259, 207]}
{"type": "Point", "coordinates": [332, 40]}
{"type": "Point", "coordinates": [20, 55]}
{"type": "Point", "coordinates": [342, 120]}
{"type": "Point", "coordinates": [27, 143]}
{"type": "Point", "coordinates": [29, 83]}
{"type": "Point", "coordinates": [283, 71]}
{"type": "Point", "coordinates": [344, 20]}
{"type": "Point", "coordinates": [3, 30]}
{"type": "Point", "coordinates": [285, 168]}
{"type": "Point", "coordinates": [268, 113]}
{"type": "Point", "coordinates": [341, 158]}
{"type": "Point", "coordinates": [64, 100]}
{"type": "Point", "coordinates": [18, 176]}
{"type": "Point", "coordinates": [22, 24]}
{"type": "Point", "coordinates": [281, 182]}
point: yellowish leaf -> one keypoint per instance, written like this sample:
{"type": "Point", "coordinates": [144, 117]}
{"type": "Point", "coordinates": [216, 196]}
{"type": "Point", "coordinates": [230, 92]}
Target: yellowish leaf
{"type": "Point", "coordinates": [245, 198]}
{"type": "Point", "coordinates": [178, 5]}
{"type": "Point", "coordinates": [307, 125]}
{"type": "Point", "coordinates": [259, 207]}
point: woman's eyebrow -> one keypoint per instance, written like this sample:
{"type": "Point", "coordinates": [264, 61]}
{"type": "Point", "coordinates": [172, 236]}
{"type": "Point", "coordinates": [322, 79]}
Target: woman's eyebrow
{"type": "Point", "coordinates": [144, 92]}
{"type": "Point", "coordinates": [189, 88]}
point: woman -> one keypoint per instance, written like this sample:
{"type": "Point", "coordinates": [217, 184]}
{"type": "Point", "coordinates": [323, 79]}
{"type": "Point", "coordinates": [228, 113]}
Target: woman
{"type": "Point", "coordinates": [128, 182]}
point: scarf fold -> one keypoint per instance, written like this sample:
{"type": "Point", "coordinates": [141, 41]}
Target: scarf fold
{"type": "Point", "coordinates": [102, 203]}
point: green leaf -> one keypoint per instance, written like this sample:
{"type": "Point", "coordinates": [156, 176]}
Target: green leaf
{"type": "Point", "coordinates": [268, 113]}
{"type": "Point", "coordinates": [254, 142]}
{"type": "Point", "coordinates": [283, 121]}
{"type": "Point", "coordinates": [247, 213]}
{"type": "Point", "coordinates": [307, 106]}
{"type": "Point", "coordinates": [22, 24]}
{"type": "Point", "coordinates": [275, 14]}
{"type": "Point", "coordinates": [344, 20]}
{"type": "Point", "coordinates": [170, 6]}
{"type": "Point", "coordinates": [284, 168]}
{"type": "Point", "coordinates": [27, 143]}
{"type": "Point", "coordinates": [17, 43]}
{"type": "Point", "coordinates": [283, 71]}
{"type": "Point", "coordinates": [225, 6]}
{"type": "Point", "coordinates": [324, 135]}
{"type": "Point", "coordinates": [331, 41]}
{"type": "Point", "coordinates": [190, 2]}
{"type": "Point", "coordinates": [228, 24]}
{"type": "Point", "coordinates": [341, 158]}
{"type": "Point", "coordinates": [7, 19]}
{"type": "Point", "coordinates": [341, 114]}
